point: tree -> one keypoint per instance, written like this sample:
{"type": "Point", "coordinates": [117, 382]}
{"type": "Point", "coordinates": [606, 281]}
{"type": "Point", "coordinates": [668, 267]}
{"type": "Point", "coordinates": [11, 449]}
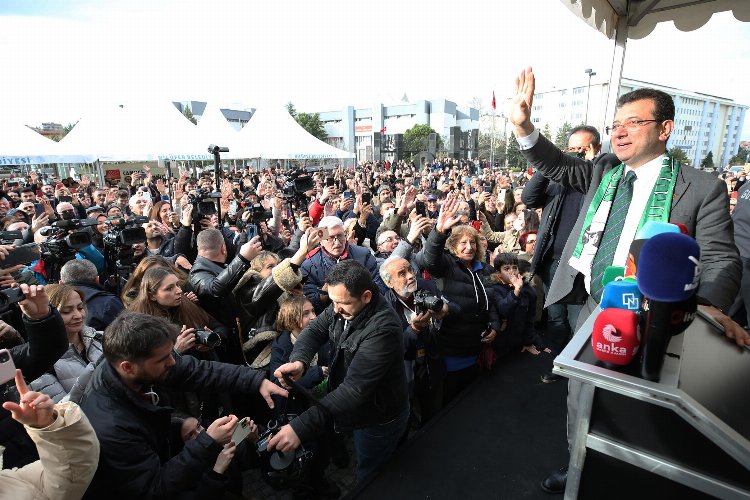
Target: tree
{"type": "Point", "coordinates": [742, 157]}
{"type": "Point", "coordinates": [546, 132]}
{"type": "Point", "coordinates": [680, 156]}
{"type": "Point", "coordinates": [189, 114]}
{"type": "Point", "coordinates": [561, 139]}
{"type": "Point", "coordinates": [708, 161]}
{"type": "Point", "coordinates": [290, 108]}
{"type": "Point", "coordinates": [485, 147]}
{"type": "Point", "coordinates": [415, 140]}
{"type": "Point", "coordinates": [513, 153]}
{"type": "Point", "coordinates": [313, 125]}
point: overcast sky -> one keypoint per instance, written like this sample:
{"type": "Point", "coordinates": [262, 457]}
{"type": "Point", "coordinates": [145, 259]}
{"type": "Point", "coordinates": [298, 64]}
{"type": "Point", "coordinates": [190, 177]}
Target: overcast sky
{"type": "Point", "coordinates": [62, 59]}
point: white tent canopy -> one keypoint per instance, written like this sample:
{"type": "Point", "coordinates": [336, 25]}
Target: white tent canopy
{"type": "Point", "coordinates": [635, 19]}
{"type": "Point", "coordinates": [272, 133]}
{"type": "Point", "coordinates": [142, 132]}
{"type": "Point", "coordinates": [23, 146]}
{"type": "Point", "coordinates": [641, 17]}
{"type": "Point", "coordinates": [213, 127]}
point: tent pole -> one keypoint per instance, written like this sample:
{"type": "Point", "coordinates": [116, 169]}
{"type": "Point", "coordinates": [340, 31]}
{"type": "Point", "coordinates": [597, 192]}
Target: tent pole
{"type": "Point", "coordinates": [615, 76]}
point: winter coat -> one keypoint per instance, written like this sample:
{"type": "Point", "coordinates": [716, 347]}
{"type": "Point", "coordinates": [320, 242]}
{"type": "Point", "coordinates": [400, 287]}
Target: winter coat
{"type": "Point", "coordinates": [135, 460]}
{"type": "Point", "coordinates": [71, 373]}
{"type": "Point", "coordinates": [68, 456]}
{"type": "Point", "coordinates": [318, 262]}
{"type": "Point", "coordinates": [367, 384]}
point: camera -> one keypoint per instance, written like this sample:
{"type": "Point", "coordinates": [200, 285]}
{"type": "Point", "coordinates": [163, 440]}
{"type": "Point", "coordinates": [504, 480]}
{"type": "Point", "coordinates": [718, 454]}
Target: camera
{"type": "Point", "coordinates": [10, 296]}
{"type": "Point", "coordinates": [298, 182]}
{"type": "Point", "coordinates": [125, 232]}
{"type": "Point", "coordinates": [425, 301]}
{"type": "Point", "coordinates": [64, 238]}
{"type": "Point", "coordinates": [204, 204]}
{"type": "Point", "coordinates": [206, 338]}
{"type": "Point", "coordinates": [8, 237]}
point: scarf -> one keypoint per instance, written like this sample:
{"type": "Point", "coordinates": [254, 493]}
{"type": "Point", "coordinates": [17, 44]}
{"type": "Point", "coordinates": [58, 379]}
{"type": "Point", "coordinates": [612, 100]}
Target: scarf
{"type": "Point", "coordinates": [657, 209]}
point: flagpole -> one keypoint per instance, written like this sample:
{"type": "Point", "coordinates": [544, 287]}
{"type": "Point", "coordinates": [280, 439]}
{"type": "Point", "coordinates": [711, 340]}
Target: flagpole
{"type": "Point", "coordinates": [492, 139]}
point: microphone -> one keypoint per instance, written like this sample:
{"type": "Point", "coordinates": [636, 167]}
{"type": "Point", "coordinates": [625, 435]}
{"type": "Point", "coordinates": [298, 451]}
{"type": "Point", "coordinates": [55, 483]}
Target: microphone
{"type": "Point", "coordinates": [652, 228]}
{"type": "Point", "coordinates": [616, 336]}
{"type": "Point", "coordinates": [634, 253]}
{"type": "Point", "coordinates": [668, 276]}
{"type": "Point", "coordinates": [683, 228]}
{"type": "Point", "coordinates": [621, 295]}
{"type": "Point", "coordinates": [612, 273]}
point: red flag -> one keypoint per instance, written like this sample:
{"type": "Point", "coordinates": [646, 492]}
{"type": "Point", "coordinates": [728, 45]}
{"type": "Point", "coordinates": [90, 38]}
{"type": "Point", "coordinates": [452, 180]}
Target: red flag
{"type": "Point", "coordinates": [382, 130]}
{"type": "Point", "coordinates": [494, 105]}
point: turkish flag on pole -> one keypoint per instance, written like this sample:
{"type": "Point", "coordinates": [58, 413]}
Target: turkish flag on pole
{"type": "Point", "coordinates": [494, 105]}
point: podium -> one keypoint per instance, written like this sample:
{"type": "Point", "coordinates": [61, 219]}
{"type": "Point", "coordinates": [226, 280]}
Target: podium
{"type": "Point", "coordinates": [685, 436]}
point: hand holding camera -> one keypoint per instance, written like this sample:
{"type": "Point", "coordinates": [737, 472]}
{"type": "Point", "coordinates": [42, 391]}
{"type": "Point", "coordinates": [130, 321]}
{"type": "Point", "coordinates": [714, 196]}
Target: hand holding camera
{"type": "Point", "coordinates": [252, 248]}
{"type": "Point", "coordinates": [35, 304]}
{"type": "Point", "coordinates": [185, 340]}
{"type": "Point", "coordinates": [222, 428]}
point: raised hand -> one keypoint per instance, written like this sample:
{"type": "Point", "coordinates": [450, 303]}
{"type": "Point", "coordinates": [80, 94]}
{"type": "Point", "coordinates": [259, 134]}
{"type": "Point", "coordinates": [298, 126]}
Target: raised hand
{"type": "Point", "coordinates": [447, 217]}
{"type": "Point", "coordinates": [36, 409]}
{"type": "Point", "coordinates": [35, 304]}
{"type": "Point", "coordinates": [520, 105]}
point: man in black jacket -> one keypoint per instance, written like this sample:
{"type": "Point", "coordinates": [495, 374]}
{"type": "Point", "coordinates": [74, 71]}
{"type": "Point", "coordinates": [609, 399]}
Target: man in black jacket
{"type": "Point", "coordinates": [47, 341]}
{"type": "Point", "coordinates": [122, 404]}
{"type": "Point", "coordinates": [213, 281]}
{"type": "Point", "coordinates": [561, 207]}
{"type": "Point", "coordinates": [367, 385]}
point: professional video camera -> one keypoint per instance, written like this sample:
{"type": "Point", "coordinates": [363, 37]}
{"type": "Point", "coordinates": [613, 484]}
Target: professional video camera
{"type": "Point", "coordinates": [207, 338]}
{"type": "Point", "coordinates": [258, 215]}
{"type": "Point", "coordinates": [298, 182]}
{"type": "Point", "coordinates": [204, 204]}
{"type": "Point", "coordinates": [10, 296]}
{"type": "Point", "coordinates": [8, 237]}
{"type": "Point", "coordinates": [118, 246]}
{"type": "Point", "coordinates": [425, 301]}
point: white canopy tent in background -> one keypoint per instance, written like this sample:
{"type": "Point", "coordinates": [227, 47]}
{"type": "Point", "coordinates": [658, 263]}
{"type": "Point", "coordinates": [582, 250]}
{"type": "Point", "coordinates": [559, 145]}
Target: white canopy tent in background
{"type": "Point", "coordinates": [619, 20]}
{"type": "Point", "coordinates": [23, 146]}
{"type": "Point", "coordinates": [272, 133]}
{"type": "Point", "coordinates": [213, 127]}
{"type": "Point", "coordinates": [140, 132]}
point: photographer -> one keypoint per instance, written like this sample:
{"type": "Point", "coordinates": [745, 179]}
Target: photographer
{"type": "Point", "coordinates": [213, 280]}
{"type": "Point", "coordinates": [422, 362]}
{"type": "Point", "coordinates": [122, 404]}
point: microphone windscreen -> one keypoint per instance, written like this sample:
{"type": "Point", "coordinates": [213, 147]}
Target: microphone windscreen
{"type": "Point", "coordinates": [669, 267]}
{"type": "Point", "coordinates": [621, 295]}
{"type": "Point", "coordinates": [616, 336]}
{"type": "Point", "coordinates": [634, 253]}
{"type": "Point", "coordinates": [612, 273]}
{"type": "Point", "coordinates": [683, 228]}
{"type": "Point", "coordinates": [652, 228]}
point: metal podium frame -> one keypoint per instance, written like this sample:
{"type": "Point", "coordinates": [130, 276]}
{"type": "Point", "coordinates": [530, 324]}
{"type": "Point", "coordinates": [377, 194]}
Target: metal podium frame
{"type": "Point", "coordinates": [667, 394]}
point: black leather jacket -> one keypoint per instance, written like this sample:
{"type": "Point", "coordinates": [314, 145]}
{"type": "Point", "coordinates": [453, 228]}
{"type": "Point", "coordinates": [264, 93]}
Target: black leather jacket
{"type": "Point", "coordinates": [367, 383]}
{"type": "Point", "coordinates": [213, 284]}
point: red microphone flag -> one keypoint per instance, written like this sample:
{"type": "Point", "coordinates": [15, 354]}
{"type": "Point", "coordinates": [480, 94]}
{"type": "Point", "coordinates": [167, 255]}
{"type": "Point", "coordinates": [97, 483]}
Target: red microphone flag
{"type": "Point", "coordinates": [494, 104]}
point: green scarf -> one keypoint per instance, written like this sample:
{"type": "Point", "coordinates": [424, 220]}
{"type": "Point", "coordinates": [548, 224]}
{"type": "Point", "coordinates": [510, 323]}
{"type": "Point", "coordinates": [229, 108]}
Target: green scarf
{"type": "Point", "coordinates": [657, 209]}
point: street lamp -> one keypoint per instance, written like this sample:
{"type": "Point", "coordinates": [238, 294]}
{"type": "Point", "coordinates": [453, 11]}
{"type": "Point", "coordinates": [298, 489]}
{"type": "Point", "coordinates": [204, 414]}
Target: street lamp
{"type": "Point", "coordinates": [591, 73]}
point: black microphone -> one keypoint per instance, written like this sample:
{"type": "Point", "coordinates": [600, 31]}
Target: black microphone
{"type": "Point", "coordinates": [668, 276]}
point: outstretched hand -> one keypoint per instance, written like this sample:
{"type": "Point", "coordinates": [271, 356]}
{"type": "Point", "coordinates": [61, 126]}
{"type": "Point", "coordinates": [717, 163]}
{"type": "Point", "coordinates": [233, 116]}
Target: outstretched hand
{"type": "Point", "coordinates": [520, 105]}
{"type": "Point", "coordinates": [447, 217]}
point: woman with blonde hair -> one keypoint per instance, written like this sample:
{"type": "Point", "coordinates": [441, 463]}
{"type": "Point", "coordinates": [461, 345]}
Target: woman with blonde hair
{"type": "Point", "coordinates": [454, 255]}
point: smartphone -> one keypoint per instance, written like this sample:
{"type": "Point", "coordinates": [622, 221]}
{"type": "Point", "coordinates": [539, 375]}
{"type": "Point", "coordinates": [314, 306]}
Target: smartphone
{"type": "Point", "coordinates": [487, 189]}
{"type": "Point", "coordinates": [7, 368]}
{"type": "Point", "coordinates": [421, 209]}
{"type": "Point", "coordinates": [38, 209]}
{"type": "Point", "coordinates": [347, 195]}
{"type": "Point", "coordinates": [366, 197]}
{"type": "Point", "coordinates": [476, 225]}
{"type": "Point", "coordinates": [24, 254]}
{"type": "Point", "coordinates": [323, 232]}
{"type": "Point", "coordinates": [251, 231]}
{"type": "Point", "coordinates": [241, 431]}
{"type": "Point", "coordinates": [65, 198]}
{"type": "Point", "coordinates": [330, 181]}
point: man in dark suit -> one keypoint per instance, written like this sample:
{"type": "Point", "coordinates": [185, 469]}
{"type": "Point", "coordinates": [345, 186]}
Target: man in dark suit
{"type": "Point", "coordinates": [643, 122]}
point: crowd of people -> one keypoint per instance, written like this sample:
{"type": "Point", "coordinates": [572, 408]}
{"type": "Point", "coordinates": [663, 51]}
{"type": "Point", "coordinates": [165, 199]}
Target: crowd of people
{"type": "Point", "coordinates": [344, 301]}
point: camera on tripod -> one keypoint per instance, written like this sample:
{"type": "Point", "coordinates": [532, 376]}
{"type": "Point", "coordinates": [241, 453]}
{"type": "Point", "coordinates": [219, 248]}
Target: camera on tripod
{"type": "Point", "coordinates": [425, 301]}
{"type": "Point", "coordinates": [125, 232]}
{"type": "Point", "coordinates": [66, 236]}
{"type": "Point", "coordinates": [298, 182]}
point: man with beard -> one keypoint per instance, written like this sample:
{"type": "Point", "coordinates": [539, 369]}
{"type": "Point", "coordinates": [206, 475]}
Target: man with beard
{"type": "Point", "coordinates": [122, 404]}
{"type": "Point", "coordinates": [422, 362]}
{"type": "Point", "coordinates": [157, 243]}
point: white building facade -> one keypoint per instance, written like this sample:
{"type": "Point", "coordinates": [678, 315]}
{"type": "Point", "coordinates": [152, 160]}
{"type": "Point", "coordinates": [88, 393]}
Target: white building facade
{"type": "Point", "coordinates": [703, 123]}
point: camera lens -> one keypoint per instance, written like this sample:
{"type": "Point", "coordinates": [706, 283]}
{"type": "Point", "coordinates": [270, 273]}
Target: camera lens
{"type": "Point", "coordinates": [4, 356]}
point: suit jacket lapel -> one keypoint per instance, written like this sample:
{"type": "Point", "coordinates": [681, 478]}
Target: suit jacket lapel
{"type": "Point", "coordinates": [680, 187]}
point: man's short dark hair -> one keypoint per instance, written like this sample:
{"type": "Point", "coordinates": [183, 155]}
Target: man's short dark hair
{"type": "Point", "coordinates": [133, 336]}
{"type": "Point", "coordinates": [353, 275]}
{"type": "Point", "coordinates": [663, 103]}
{"type": "Point", "coordinates": [27, 189]}
{"type": "Point", "coordinates": [591, 130]}
{"type": "Point", "coordinates": [79, 271]}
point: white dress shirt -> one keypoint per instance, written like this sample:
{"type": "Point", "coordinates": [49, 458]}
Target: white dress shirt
{"type": "Point", "coordinates": [646, 179]}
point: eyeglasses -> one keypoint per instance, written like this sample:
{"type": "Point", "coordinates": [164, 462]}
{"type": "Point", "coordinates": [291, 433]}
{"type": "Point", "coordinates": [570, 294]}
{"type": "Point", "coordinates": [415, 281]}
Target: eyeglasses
{"type": "Point", "coordinates": [628, 125]}
{"type": "Point", "coordinates": [390, 239]}
{"type": "Point", "coordinates": [340, 237]}
{"type": "Point", "coordinates": [530, 241]}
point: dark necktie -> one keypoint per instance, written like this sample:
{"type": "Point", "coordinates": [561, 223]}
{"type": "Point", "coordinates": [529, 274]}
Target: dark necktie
{"type": "Point", "coordinates": [612, 231]}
